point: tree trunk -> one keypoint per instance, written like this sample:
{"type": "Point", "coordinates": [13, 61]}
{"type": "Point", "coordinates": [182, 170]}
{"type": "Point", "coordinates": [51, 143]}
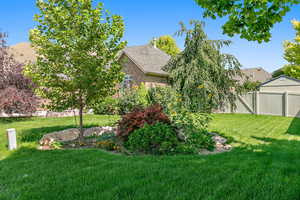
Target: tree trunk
{"type": "Point", "coordinates": [81, 124]}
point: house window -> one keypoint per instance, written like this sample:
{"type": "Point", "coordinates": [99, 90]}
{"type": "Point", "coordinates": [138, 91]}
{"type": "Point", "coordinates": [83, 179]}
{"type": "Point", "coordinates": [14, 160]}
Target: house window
{"type": "Point", "coordinates": [127, 82]}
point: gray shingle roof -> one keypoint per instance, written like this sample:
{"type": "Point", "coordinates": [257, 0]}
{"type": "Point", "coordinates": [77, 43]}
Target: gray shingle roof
{"type": "Point", "coordinates": [255, 74]}
{"type": "Point", "coordinates": [148, 58]}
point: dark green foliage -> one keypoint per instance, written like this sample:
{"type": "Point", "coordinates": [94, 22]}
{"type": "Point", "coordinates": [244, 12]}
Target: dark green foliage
{"type": "Point", "coordinates": [131, 98]}
{"type": "Point", "coordinates": [201, 74]}
{"type": "Point", "coordinates": [292, 71]}
{"type": "Point", "coordinates": [253, 19]}
{"type": "Point", "coordinates": [251, 85]}
{"type": "Point", "coordinates": [159, 138]}
{"type": "Point", "coordinates": [164, 96]}
{"type": "Point", "coordinates": [192, 130]}
{"type": "Point", "coordinates": [195, 140]}
{"type": "Point", "coordinates": [182, 118]}
{"type": "Point", "coordinates": [110, 106]}
{"type": "Point", "coordinates": [278, 72]}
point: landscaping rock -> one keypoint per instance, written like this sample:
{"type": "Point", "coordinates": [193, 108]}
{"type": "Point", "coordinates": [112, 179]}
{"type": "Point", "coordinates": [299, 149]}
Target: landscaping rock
{"type": "Point", "coordinates": [220, 145]}
{"type": "Point", "coordinates": [219, 140]}
{"type": "Point", "coordinates": [72, 134]}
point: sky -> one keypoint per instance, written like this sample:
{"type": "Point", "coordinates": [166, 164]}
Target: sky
{"type": "Point", "coordinates": [147, 19]}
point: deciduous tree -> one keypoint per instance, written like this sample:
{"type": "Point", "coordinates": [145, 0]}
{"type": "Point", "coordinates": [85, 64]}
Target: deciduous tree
{"type": "Point", "coordinates": [252, 19]}
{"type": "Point", "coordinates": [201, 74]}
{"type": "Point", "coordinates": [167, 44]}
{"type": "Point", "coordinates": [292, 54]}
{"type": "Point", "coordinates": [77, 46]}
{"type": "Point", "coordinates": [16, 90]}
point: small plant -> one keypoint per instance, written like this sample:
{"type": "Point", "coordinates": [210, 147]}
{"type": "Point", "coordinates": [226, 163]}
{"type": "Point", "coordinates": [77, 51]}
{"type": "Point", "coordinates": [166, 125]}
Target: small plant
{"type": "Point", "coordinates": [138, 118]}
{"type": "Point", "coordinates": [108, 141]}
{"type": "Point", "coordinates": [107, 145]}
{"type": "Point", "coordinates": [159, 138]}
{"type": "Point", "coordinates": [56, 145]}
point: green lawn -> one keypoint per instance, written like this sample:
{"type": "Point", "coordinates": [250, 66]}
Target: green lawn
{"type": "Point", "coordinates": [264, 165]}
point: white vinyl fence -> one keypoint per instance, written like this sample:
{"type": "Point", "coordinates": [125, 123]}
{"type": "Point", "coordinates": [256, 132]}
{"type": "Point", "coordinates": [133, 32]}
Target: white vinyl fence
{"type": "Point", "coordinates": [268, 103]}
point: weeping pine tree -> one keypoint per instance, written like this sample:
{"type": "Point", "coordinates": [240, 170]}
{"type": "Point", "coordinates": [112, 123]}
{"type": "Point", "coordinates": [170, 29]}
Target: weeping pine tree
{"type": "Point", "coordinates": [202, 74]}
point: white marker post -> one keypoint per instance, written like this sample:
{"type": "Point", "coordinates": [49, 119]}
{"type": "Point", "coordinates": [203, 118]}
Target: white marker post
{"type": "Point", "coordinates": [12, 138]}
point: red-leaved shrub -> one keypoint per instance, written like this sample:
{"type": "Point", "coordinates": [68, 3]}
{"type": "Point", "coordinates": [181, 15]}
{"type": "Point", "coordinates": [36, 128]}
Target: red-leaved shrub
{"type": "Point", "coordinates": [138, 118]}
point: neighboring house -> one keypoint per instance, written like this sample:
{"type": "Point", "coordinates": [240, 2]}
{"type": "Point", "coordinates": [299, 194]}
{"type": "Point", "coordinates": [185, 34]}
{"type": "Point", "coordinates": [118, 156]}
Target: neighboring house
{"type": "Point", "coordinates": [254, 75]}
{"type": "Point", "coordinates": [143, 64]}
{"type": "Point", "coordinates": [281, 84]}
{"type": "Point", "coordinates": [23, 52]}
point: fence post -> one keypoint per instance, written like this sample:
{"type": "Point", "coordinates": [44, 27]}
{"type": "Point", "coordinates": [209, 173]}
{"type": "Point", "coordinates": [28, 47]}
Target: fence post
{"type": "Point", "coordinates": [286, 104]}
{"type": "Point", "coordinates": [11, 138]}
{"type": "Point", "coordinates": [256, 102]}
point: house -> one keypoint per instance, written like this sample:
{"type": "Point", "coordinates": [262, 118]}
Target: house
{"type": "Point", "coordinates": [143, 64]}
{"type": "Point", "coordinates": [23, 52]}
{"type": "Point", "coordinates": [281, 84]}
{"type": "Point", "coordinates": [254, 75]}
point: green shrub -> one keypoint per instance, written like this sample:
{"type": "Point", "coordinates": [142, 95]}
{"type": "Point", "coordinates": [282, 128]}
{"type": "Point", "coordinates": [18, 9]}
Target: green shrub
{"type": "Point", "coordinates": [131, 98]}
{"type": "Point", "coordinates": [110, 106]}
{"type": "Point", "coordinates": [159, 138]}
{"type": "Point", "coordinates": [181, 118]}
{"type": "Point", "coordinates": [192, 130]}
{"type": "Point", "coordinates": [138, 118]}
{"type": "Point", "coordinates": [198, 139]}
{"type": "Point", "coordinates": [163, 95]}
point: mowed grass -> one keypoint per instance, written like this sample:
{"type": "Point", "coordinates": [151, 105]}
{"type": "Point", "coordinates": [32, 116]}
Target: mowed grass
{"type": "Point", "coordinates": [264, 165]}
{"type": "Point", "coordinates": [30, 130]}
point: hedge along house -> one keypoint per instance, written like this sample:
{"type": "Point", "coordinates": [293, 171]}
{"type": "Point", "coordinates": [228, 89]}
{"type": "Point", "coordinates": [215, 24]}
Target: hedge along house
{"type": "Point", "coordinates": [143, 64]}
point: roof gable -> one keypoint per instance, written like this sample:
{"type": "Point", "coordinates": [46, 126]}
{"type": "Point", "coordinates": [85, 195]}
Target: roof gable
{"type": "Point", "coordinates": [282, 80]}
{"type": "Point", "coordinates": [149, 59]}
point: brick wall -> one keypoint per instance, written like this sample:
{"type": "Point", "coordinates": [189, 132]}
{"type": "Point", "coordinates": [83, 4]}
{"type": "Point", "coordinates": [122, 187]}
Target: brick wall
{"type": "Point", "coordinates": [138, 75]}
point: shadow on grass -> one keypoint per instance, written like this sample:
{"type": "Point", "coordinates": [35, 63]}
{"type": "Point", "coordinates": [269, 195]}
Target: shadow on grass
{"type": "Point", "coordinates": [8, 120]}
{"type": "Point", "coordinates": [264, 171]}
{"type": "Point", "coordinates": [35, 134]}
{"type": "Point", "coordinates": [294, 127]}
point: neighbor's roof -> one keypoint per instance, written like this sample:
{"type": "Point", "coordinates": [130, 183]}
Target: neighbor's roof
{"type": "Point", "coordinates": [23, 52]}
{"type": "Point", "coordinates": [254, 74]}
{"type": "Point", "coordinates": [149, 59]}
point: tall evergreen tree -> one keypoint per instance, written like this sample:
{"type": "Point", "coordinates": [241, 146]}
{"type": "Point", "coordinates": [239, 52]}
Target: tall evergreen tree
{"type": "Point", "coordinates": [201, 74]}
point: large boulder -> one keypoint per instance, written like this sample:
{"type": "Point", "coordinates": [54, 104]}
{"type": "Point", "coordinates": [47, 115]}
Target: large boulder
{"type": "Point", "coordinates": [73, 134]}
